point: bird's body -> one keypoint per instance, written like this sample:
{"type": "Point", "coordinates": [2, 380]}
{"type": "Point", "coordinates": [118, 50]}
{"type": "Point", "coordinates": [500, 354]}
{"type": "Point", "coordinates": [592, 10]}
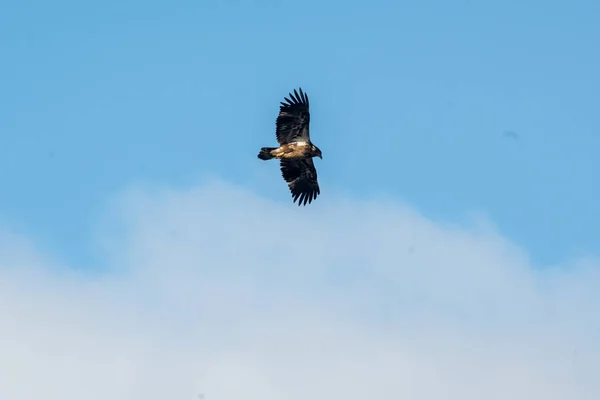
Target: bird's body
{"type": "Point", "coordinates": [288, 151]}
{"type": "Point", "coordinates": [295, 151]}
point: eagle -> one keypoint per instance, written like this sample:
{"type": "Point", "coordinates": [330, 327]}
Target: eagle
{"type": "Point", "coordinates": [295, 151]}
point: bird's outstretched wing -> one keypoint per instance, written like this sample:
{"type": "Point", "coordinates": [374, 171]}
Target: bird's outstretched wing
{"type": "Point", "coordinates": [293, 120]}
{"type": "Point", "coordinates": [301, 177]}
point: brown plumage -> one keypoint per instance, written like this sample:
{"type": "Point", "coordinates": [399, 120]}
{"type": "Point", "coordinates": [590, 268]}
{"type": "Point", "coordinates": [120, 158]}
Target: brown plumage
{"type": "Point", "coordinates": [295, 151]}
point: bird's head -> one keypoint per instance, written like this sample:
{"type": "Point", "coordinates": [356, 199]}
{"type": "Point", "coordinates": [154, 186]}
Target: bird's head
{"type": "Point", "coordinates": [317, 152]}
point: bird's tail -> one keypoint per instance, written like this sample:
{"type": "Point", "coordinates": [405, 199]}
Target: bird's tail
{"type": "Point", "coordinates": [265, 153]}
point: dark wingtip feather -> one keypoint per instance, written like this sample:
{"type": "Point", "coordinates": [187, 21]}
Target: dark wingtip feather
{"type": "Point", "coordinates": [295, 98]}
{"type": "Point", "coordinates": [304, 198]}
{"type": "Point", "coordinates": [305, 97]}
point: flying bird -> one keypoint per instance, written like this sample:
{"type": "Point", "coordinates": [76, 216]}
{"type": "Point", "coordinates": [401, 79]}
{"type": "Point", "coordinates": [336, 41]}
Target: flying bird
{"type": "Point", "coordinates": [295, 151]}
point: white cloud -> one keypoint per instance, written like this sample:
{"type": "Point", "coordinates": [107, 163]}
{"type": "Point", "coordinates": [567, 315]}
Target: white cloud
{"type": "Point", "coordinates": [218, 291]}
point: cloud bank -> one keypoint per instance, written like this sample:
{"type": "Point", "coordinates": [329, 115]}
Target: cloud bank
{"type": "Point", "coordinates": [218, 292]}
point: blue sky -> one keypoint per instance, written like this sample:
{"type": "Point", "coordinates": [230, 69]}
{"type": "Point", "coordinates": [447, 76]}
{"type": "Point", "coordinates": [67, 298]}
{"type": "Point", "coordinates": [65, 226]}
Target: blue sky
{"type": "Point", "coordinates": [129, 139]}
{"type": "Point", "coordinates": [409, 100]}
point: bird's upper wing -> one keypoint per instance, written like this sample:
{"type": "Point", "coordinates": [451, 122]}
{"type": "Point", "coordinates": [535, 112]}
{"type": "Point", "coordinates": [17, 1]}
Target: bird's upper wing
{"type": "Point", "coordinates": [301, 177]}
{"type": "Point", "coordinates": [293, 119]}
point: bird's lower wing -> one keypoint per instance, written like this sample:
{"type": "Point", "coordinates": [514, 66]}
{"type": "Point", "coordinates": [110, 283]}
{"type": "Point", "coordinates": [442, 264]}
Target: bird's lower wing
{"type": "Point", "coordinates": [301, 177]}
